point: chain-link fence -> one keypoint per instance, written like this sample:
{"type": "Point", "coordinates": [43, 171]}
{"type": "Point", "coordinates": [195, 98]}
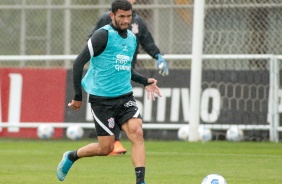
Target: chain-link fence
{"type": "Point", "coordinates": [51, 27]}
{"type": "Point", "coordinates": [32, 27]}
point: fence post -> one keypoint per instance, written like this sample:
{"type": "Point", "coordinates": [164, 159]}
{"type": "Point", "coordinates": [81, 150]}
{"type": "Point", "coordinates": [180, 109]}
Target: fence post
{"type": "Point", "coordinates": [67, 30]}
{"type": "Point", "coordinates": [276, 98]}
{"type": "Point", "coordinates": [23, 32]}
{"type": "Point", "coordinates": [273, 99]}
{"type": "Point", "coordinates": [196, 70]}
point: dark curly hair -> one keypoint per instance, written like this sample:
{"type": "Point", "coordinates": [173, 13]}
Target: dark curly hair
{"type": "Point", "coordinates": [121, 5]}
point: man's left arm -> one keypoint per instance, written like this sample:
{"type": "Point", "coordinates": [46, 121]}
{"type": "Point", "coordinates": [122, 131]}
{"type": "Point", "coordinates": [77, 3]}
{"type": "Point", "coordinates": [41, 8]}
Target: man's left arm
{"type": "Point", "coordinates": [138, 78]}
{"type": "Point", "coordinates": [150, 84]}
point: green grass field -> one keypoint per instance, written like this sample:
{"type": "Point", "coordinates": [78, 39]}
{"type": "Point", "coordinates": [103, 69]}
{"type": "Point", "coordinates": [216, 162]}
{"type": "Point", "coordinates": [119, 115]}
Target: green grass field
{"type": "Point", "coordinates": [168, 162]}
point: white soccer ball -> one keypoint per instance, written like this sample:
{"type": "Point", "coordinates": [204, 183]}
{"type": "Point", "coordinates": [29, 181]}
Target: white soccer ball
{"type": "Point", "coordinates": [74, 132]}
{"type": "Point", "coordinates": [45, 131]}
{"type": "Point", "coordinates": [205, 134]}
{"type": "Point", "coordinates": [234, 134]}
{"type": "Point", "coordinates": [214, 179]}
{"type": "Point", "coordinates": [183, 133]}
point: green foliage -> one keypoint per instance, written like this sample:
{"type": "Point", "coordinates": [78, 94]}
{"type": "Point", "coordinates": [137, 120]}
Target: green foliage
{"type": "Point", "coordinates": [35, 161]}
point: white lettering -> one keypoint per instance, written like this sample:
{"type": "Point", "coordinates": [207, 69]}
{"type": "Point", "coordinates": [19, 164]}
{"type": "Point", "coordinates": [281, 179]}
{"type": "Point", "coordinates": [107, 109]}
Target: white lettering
{"type": "Point", "coordinates": [147, 115]}
{"type": "Point", "coordinates": [15, 99]}
{"type": "Point", "coordinates": [214, 95]}
{"type": "Point", "coordinates": [122, 67]}
{"type": "Point", "coordinates": [175, 101]}
{"type": "Point", "coordinates": [166, 92]}
{"type": "Point", "coordinates": [121, 60]}
{"type": "Point", "coordinates": [117, 67]}
{"type": "Point", "coordinates": [185, 95]}
{"type": "Point", "coordinates": [125, 57]}
{"type": "Point", "coordinates": [178, 94]}
{"type": "Point", "coordinates": [138, 92]}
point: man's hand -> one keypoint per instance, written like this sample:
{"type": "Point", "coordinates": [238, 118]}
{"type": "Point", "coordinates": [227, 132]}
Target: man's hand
{"type": "Point", "coordinates": [152, 89]}
{"type": "Point", "coordinates": [162, 65]}
{"type": "Point", "coordinates": [75, 105]}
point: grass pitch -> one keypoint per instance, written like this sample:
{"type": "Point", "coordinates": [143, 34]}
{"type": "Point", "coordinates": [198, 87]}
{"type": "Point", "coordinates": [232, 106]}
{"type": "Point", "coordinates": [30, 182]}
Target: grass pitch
{"type": "Point", "coordinates": [168, 162]}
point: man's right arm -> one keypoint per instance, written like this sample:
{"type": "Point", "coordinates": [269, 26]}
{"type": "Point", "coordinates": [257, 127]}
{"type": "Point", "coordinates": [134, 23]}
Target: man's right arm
{"type": "Point", "coordinates": [98, 42]}
{"type": "Point", "coordinates": [78, 65]}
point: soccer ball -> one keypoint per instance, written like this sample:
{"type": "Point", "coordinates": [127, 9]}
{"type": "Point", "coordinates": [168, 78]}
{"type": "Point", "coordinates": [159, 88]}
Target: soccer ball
{"type": "Point", "coordinates": [214, 179]}
{"type": "Point", "coordinates": [234, 134]}
{"type": "Point", "coordinates": [205, 134]}
{"type": "Point", "coordinates": [183, 133]}
{"type": "Point", "coordinates": [74, 132]}
{"type": "Point", "coordinates": [45, 131]}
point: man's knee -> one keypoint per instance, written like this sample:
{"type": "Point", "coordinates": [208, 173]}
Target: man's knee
{"type": "Point", "coordinates": [133, 129]}
{"type": "Point", "coordinates": [139, 132]}
{"type": "Point", "coordinates": [135, 134]}
{"type": "Point", "coordinates": [104, 151]}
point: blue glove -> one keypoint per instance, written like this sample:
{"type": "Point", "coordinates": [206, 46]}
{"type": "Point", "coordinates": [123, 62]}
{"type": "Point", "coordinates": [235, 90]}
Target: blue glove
{"type": "Point", "coordinates": [162, 65]}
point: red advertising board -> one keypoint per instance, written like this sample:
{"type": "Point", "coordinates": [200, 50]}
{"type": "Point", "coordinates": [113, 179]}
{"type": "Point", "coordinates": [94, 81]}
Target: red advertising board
{"type": "Point", "coordinates": [31, 95]}
{"type": "Point", "coordinates": [41, 95]}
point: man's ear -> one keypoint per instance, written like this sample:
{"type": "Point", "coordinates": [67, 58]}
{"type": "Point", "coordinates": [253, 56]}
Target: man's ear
{"type": "Point", "coordinates": [112, 15]}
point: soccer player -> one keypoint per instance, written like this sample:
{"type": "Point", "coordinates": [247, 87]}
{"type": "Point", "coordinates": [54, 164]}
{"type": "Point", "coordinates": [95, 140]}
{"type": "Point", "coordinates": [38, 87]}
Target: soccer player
{"type": "Point", "coordinates": [108, 82]}
{"type": "Point", "coordinates": [140, 29]}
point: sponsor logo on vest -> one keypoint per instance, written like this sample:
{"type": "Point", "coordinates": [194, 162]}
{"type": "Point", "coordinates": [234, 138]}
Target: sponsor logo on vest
{"type": "Point", "coordinates": [121, 61]}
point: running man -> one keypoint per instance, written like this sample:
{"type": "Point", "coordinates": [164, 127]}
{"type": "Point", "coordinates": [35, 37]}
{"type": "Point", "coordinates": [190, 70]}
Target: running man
{"type": "Point", "coordinates": [145, 39]}
{"type": "Point", "coordinates": [108, 82]}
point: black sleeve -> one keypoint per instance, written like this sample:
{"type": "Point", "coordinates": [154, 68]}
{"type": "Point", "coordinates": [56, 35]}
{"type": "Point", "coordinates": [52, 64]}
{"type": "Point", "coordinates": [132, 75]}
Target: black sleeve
{"type": "Point", "coordinates": [135, 55]}
{"type": "Point", "coordinates": [146, 40]}
{"type": "Point", "coordinates": [136, 77]}
{"type": "Point", "coordinates": [78, 65]}
{"type": "Point", "coordinates": [99, 41]}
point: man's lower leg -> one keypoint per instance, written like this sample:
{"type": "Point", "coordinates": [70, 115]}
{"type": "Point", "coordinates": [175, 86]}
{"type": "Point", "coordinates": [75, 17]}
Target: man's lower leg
{"type": "Point", "coordinates": [140, 175]}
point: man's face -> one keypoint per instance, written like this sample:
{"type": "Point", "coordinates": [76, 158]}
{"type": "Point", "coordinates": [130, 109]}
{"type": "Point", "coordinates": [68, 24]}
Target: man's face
{"type": "Point", "coordinates": [121, 19]}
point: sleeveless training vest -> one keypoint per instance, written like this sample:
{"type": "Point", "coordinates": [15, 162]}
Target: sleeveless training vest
{"type": "Point", "coordinates": [109, 74]}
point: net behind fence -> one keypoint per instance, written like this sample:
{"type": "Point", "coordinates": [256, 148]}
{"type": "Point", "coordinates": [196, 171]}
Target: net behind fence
{"type": "Point", "coordinates": [50, 27]}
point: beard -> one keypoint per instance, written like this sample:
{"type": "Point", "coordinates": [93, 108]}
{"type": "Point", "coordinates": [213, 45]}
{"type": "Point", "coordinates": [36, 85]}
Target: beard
{"type": "Point", "coordinates": [118, 26]}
